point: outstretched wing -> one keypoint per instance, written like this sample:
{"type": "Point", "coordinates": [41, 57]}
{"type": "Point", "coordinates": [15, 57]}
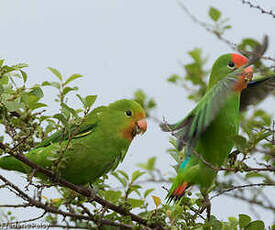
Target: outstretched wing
{"type": "Point", "coordinates": [188, 130]}
{"type": "Point", "coordinates": [256, 91]}
{"type": "Point", "coordinates": [85, 128]}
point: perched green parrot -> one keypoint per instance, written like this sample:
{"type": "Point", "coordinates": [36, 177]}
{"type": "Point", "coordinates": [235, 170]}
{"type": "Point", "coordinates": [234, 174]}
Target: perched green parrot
{"type": "Point", "coordinates": [97, 146]}
{"type": "Point", "coordinates": [208, 129]}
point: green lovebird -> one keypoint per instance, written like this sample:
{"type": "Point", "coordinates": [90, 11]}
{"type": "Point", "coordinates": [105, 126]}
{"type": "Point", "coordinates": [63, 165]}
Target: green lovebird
{"type": "Point", "coordinates": [98, 145]}
{"type": "Point", "coordinates": [208, 129]}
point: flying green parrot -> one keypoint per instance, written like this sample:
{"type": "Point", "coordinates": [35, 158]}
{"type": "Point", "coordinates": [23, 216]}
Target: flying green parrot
{"type": "Point", "coordinates": [208, 129]}
{"type": "Point", "coordinates": [98, 145]}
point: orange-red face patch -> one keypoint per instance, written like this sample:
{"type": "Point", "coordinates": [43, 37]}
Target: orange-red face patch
{"type": "Point", "coordinates": [129, 132]}
{"type": "Point", "coordinates": [239, 60]}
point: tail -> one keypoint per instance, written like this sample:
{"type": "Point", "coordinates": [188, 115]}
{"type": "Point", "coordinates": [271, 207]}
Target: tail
{"type": "Point", "coordinates": [178, 192]}
{"type": "Point", "coordinates": [179, 186]}
{"type": "Point", "coordinates": [11, 163]}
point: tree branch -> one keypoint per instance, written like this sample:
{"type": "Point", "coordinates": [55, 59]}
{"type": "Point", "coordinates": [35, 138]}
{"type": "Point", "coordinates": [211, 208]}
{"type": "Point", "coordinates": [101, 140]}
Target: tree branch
{"type": "Point", "coordinates": [241, 187]}
{"type": "Point", "coordinates": [251, 201]}
{"type": "Point", "coordinates": [51, 209]}
{"type": "Point", "coordinates": [90, 194]}
{"type": "Point", "coordinates": [258, 7]}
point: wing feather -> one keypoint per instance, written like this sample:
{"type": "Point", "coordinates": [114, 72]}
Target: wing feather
{"type": "Point", "coordinates": [189, 129]}
{"type": "Point", "coordinates": [85, 128]}
{"type": "Point", "coordinates": [256, 91]}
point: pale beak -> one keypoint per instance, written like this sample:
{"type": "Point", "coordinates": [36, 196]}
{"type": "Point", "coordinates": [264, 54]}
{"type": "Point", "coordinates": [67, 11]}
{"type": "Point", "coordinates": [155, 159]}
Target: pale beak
{"type": "Point", "coordinates": [141, 126]}
{"type": "Point", "coordinates": [247, 73]}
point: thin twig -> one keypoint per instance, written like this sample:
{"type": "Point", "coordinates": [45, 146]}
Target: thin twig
{"type": "Point", "coordinates": [251, 201]}
{"type": "Point", "coordinates": [258, 7]}
{"type": "Point", "coordinates": [241, 187]}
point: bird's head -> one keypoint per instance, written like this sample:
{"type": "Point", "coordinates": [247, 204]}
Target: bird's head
{"type": "Point", "coordinates": [228, 63]}
{"type": "Point", "coordinates": [130, 116]}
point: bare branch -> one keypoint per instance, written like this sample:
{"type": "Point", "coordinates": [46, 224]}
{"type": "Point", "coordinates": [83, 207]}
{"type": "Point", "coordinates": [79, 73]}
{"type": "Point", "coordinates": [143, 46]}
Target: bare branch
{"type": "Point", "coordinates": [251, 201]}
{"type": "Point", "coordinates": [209, 28]}
{"type": "Point", "coordinates": [26, 221]}
{"type": "Point", "coordinates": [258, 7]}
{"type": "Point", "coordinates": [241, 187]}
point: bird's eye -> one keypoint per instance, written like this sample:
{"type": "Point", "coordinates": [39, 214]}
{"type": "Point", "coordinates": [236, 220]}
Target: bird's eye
{"type": "Point", "coordinates": [231, 65]}
{"type": "Point", "coordinates": [128, 113]}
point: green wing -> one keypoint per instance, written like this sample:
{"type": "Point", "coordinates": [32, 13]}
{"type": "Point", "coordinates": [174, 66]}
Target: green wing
{"type": "Point", "coordinates": [256, 91]}
{"type": "Point", "coordinates": [188, 130]}
{"type": "Point", "coordinates": [85, 128]}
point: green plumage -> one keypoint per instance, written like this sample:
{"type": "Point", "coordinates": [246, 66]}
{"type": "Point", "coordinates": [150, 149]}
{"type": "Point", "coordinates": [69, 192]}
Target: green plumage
{"type": "Point", "coordinates": [97, 146]}
{"type": "Point", "coordinates": [208, 129]}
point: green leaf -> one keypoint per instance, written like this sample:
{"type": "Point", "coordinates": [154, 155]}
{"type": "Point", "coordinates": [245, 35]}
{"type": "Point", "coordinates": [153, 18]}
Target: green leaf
{"type": "Point", "coordinates": [29, 99]}
{"type": "Point", "coordinates": [61, 118]}
{"type": "Point", "coordinates": [38, 105]}
{"type": "Point", "coordinates": [134, 188]}
{"type": "Point", "coordinates": [53, 84]}
{"type": "Point", "coordinates": [255, 225]}
{"type": "Point", "coordinates": [244, 220]}
{"type": "Point", "coordinates": [227, 27]}
{"type": "Point", "coordinates": [196, 54]}
{"type": "Point", "coordinates": [248, 44]}
{"type": "Point", "coordinates": [19, 66]}
{"type": "Point", "coordinates": [69, 89]}
{"type": "Point", "coordinates": [148, 191]}
{"type": "Point", "coordinates": [69, 109]}
{"type": "Point", "coordinates": [81, 99]}
{"type": "Point", "coordinates": [1, 62]}
{"type": "Point", "coordinates": [13, 105]}
{"type": "Point", "coordinates": [56, 73]}
{"type": "Point", "coordinates": [4, 80]}
{"type": "Point", "coordinates": [121, 180]}
{"type": "Point", "coordinates": [173, 78]}
{"type": "Point", "coordinates": [135, 203]}
{"type": "Point", "coordinates": [140, 97]}
{"type": "Point", "coordinates": [24, 75]}
{"type": "Point", "coordinates": [215, 224]}
{"type": "Point", "coordinates": [151, 103]}
{"type": "Point", "coordinates": [112, 196]}
{"type": "Point", "coordinates": [124, 174]}
{"type": "Point", "coordinates": [214, 14]}
{"type": "Point", "coordinates": [37, 91]}
{"type": "Point", "coordinates": [149, 165]}
{"type": "Point", "coordinates": [1, 89]}
{"type": "Point", "coordinates": [233, 221]}
{"type": "Point", "coordinates": [136, 174]}
{"type": "Point", "coordinates": [90, 100]}
{"type": "Point", "coordinates": [253, 174]}
{"type": "Point", "coordinates": [72, 78]}
{"type": "Point", "coordinates": [7, 69]}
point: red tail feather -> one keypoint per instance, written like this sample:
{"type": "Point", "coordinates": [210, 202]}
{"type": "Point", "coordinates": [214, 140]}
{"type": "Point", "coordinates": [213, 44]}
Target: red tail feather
{"type": "Point", "coordinates": [179, 191]}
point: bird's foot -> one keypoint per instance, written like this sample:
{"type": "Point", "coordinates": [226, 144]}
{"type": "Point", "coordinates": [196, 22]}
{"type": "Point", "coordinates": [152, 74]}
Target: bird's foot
{"type": "Point", "coordinates": [93, 192]}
